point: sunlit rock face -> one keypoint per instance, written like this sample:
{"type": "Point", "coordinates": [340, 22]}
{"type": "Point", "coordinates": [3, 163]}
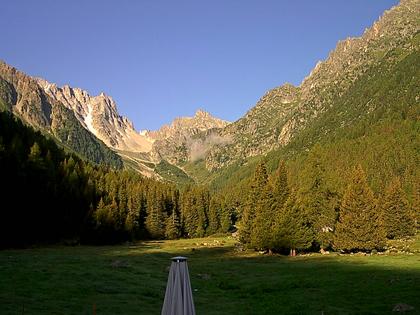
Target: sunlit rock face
{"type": "Point", "coordinates": [99, 115]}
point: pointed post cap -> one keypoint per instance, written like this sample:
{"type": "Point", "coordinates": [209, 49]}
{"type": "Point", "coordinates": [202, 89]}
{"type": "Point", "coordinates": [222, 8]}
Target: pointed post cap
{"type": "Point", "coordinates": [179, 259]}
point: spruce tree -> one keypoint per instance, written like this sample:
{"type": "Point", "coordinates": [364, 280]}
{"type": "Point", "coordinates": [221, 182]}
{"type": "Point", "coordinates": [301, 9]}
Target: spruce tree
{"type": "Point", "coordinates": [215, 211]}
{"type": "Point", "coordinates": [261, 233]}
{"type": "Point", "coordinates": [281, 193]}
{"type": "Point", "coordinates": [201, 207]}
{"type": "Point", "coordinates": [132, 221]}
{"type": "Point", "coordinates": [225, 218]}
{"type": "Point", "coordinates": [189, 217]}
{"type": "Point", "coordinates": [262, 207]}
{"type": "Point", "coordinates": [255, 191]}
{"type": "Point", "coordinates": [155, 220]}
{"type": "Point", "coordinates": [398, 218]}
{"type": "Point", "coordinates": [292, 229]}
{"type": "Point", "coordinates": [416, 203]}
{"type": "Point", "coordinates": [173, 228]}
{"type": "Point", "coordinates": [280, 186]}
{"type": "Point", "coordinates": [359, 226]}
{"type": "Point", "coordinates": [316, 199]}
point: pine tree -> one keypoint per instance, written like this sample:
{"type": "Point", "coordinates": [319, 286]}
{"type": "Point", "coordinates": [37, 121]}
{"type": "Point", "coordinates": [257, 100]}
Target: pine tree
{"type": "Point", "coordinates": [359, 226]}
{"type": "Point", "coordinates": [398, 219]}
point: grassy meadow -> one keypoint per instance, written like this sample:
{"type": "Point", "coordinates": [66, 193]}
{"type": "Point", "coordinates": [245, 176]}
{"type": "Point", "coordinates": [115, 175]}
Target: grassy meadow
{"type": "Point", "coordinates": [131, 279]}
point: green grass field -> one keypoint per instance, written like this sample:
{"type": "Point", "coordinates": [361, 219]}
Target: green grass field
{"type": "Point", "coordinates": [131, 279]}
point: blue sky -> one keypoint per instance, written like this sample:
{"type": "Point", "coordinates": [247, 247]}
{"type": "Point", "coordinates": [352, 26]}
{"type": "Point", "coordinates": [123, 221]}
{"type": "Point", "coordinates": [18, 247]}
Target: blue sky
{"type": "Point", "coordinates": [164, 59]}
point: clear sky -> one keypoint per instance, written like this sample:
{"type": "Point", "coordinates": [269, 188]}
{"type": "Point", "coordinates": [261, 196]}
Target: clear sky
{"type": "Point", "coordinates": [164, 59]}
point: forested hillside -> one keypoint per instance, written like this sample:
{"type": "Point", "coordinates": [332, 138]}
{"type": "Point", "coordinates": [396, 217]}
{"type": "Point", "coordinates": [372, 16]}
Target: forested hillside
{"type": "Point", "coordinates": [51, 196]}
{"type": "Point", "coordinates": [330, 164]}
{"type": "Point", "coordinates": [21, 95]}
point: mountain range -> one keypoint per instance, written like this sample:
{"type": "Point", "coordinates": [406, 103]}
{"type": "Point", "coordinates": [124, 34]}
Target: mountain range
{"type": "Point", "coordinates": [343, 102]}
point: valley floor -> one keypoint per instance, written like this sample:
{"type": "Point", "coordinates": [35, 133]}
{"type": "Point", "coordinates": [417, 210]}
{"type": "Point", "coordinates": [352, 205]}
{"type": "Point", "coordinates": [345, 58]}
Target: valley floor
{"type": "Point", "coordinates": [131, 279]}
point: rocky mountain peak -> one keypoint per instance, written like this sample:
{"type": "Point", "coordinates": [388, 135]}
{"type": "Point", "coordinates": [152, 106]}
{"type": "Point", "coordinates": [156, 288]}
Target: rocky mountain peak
{"type": "Point", "coordinates": [283, 112]}
{"type": "Point", "coordinates": [200, 113]}
{"type": "Point", "coordinates": [173, 141]}
{"type": "Point", "coordinates": [100, 116]}
{"type": "Point", "coordinates": [201, 121]}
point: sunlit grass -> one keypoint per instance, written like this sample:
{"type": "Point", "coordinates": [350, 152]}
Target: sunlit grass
{"type": "Point", "coordinates": [131, 279]}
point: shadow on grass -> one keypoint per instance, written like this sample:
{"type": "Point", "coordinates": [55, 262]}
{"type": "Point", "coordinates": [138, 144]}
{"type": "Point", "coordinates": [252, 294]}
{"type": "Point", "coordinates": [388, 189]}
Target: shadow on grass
{"type": "Point", "coordinates": [304, 285]}
{"type": "Point", "coordinates": [132, 280]}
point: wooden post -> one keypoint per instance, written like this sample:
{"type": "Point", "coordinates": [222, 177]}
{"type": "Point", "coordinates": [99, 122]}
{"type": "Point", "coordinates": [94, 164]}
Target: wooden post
{"type": "Point", "coordinates": [94, 308]}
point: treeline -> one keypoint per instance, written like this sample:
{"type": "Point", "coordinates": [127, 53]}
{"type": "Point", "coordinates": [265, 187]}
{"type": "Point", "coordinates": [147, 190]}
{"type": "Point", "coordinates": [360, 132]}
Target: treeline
{"type": "Point", "coordinates": [279, 217]}
{"type": "Point", "coordinates": [49, 196]}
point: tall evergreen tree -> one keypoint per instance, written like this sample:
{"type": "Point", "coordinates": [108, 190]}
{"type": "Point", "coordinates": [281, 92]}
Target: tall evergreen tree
{"type": "Point", "coordinates": [262, 225]}
{"type": "Point", "coordinates": [359, 226]}
{"type": "Point", "coordinates": [257, 185]}
{"type": "Point", "coordinates": [416, 203]}
{"type": "Point", "coordinates": [281, 193]}
{"type": "Point", "coordinates": [280, 186]}
{"type": "Point", "coordinates": [316, 199]}
{"type": "Point", "coordinates": [189, 217]}
{"type": "Point", "coordinates": [398, 218]}
{"type": "Point", "coordinates": [214, 215]}
{"type": "Point", "coordinates": [201, 207]}
{"type": "Point", "coordinates": [155, 220]}
{"type": "Point", "coordinates": [225, 217]}
{"type": "Point", "coordinates": [261, 210]}
{"type": "Point", "coordinates": [292, 229]}
{"type": "Point", "coordinates": [173, 227]}
{"type": "Point", "coordinates": [132, 221]}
